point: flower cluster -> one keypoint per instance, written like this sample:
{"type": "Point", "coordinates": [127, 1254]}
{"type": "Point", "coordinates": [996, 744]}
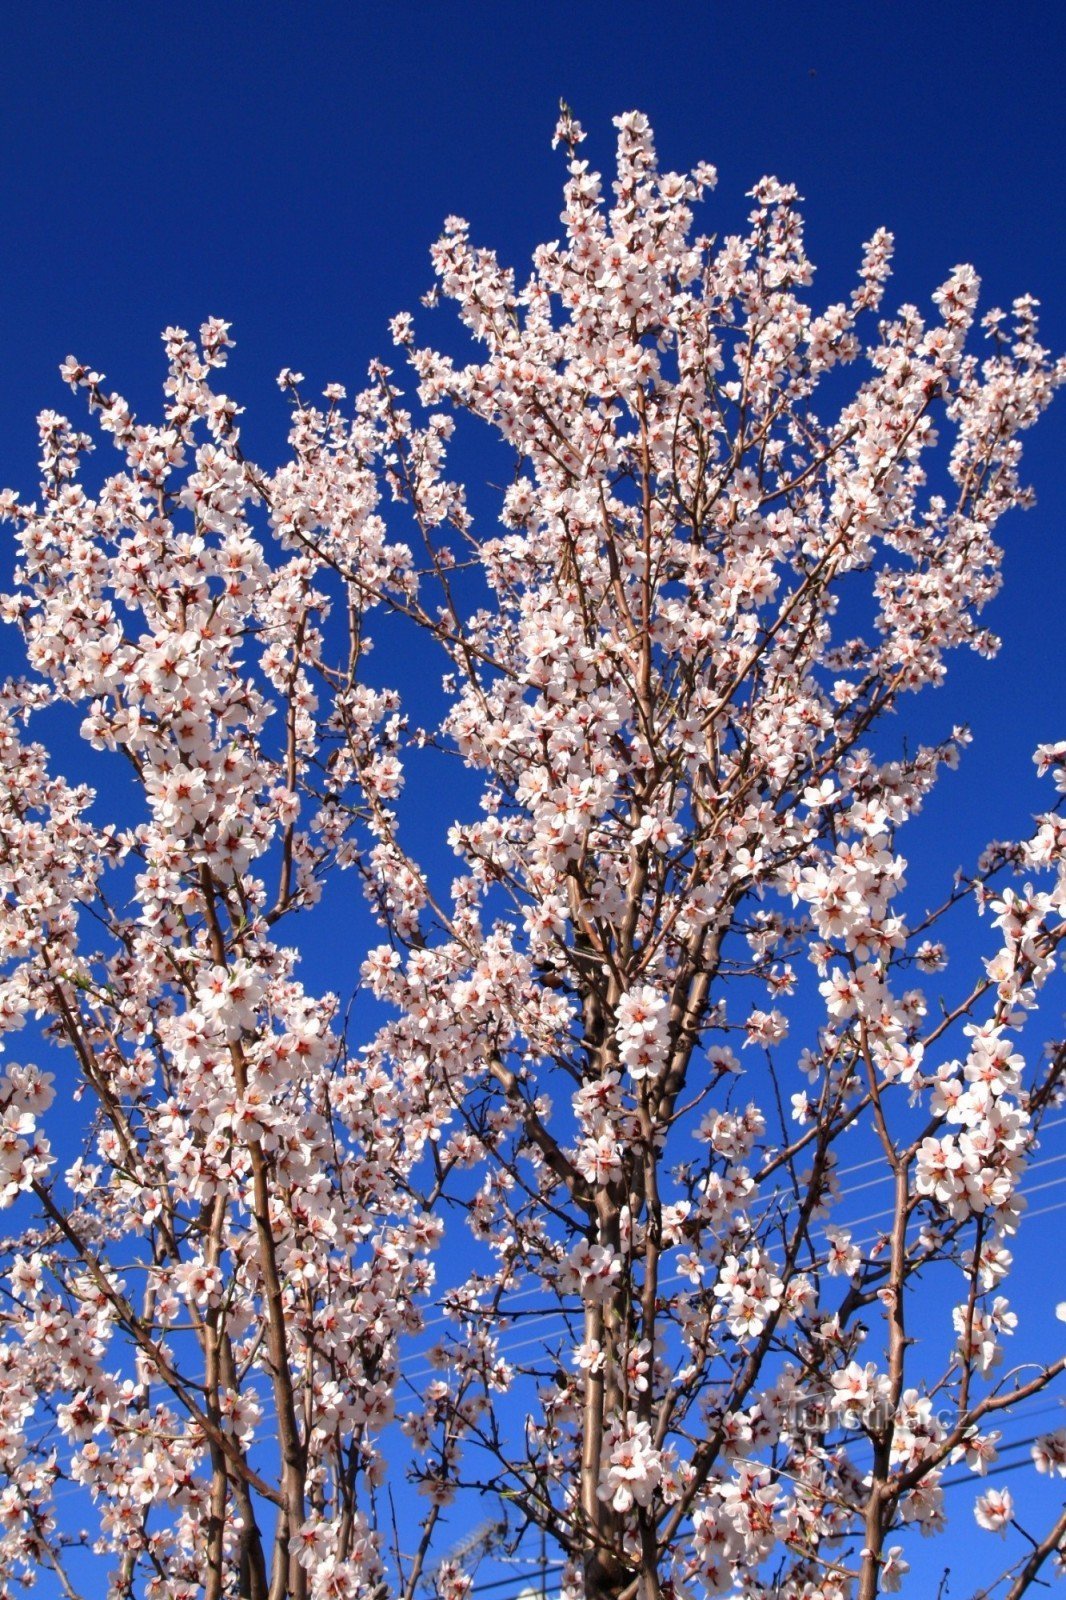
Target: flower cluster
{"type": "Point", "coordinates": [236, 1319]}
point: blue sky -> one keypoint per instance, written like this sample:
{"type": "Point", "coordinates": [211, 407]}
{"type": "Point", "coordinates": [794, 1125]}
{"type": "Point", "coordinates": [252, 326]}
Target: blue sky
{"type": "Point", "coordinates": [287, 166]}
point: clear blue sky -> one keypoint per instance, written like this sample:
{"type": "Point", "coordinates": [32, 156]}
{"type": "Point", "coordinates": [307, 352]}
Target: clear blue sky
{"type": "Point", "coordinates": [286, 167]}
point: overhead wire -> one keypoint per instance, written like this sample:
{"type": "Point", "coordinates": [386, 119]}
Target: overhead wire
{"type": "Point", "coordinates": [508, 1347]}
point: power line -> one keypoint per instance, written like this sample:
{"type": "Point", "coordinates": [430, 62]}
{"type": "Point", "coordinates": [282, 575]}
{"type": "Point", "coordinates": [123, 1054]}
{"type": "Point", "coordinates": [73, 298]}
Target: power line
{"type": "Point", "coordinates": [784, 1191]}
{"type": "Point", "coordinates": [509, 1347]}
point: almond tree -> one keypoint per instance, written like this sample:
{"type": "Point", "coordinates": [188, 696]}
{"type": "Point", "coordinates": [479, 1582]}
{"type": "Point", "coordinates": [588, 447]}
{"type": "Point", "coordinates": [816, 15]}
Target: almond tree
{"type": "Point", "coordinates": [675, 977]}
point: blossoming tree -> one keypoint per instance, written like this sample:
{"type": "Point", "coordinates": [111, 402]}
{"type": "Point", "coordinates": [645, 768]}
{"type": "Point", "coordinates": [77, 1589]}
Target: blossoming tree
{"type": "Point", "coordinates": [241, 1325]}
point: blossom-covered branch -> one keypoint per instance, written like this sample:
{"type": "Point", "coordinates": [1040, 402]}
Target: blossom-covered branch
{"type": "Point", "coordinates": [623, 1050]}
